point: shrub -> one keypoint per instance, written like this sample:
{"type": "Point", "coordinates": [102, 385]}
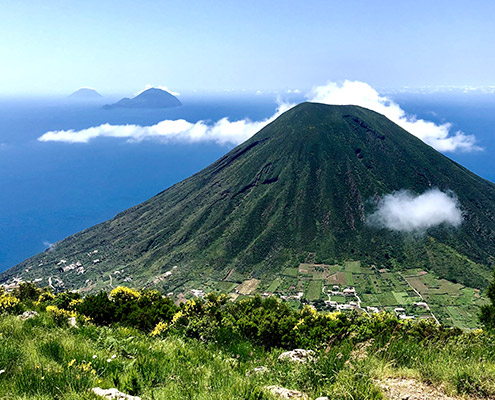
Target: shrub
{"type": "Point", "coordinates": [44, 299]}
{"type": "Point", "coordinates": [9, 304]}
{"type": "Point", "coordinates": [27, 291]}
{"type": "Point", "coordinates": [60, 316]}
{"type": "Point", "coordinates": [98, 308]}
{"type": "Point", "coordinates": [66, 300]}
{"type": "Point", "coordinates": [123, 294]}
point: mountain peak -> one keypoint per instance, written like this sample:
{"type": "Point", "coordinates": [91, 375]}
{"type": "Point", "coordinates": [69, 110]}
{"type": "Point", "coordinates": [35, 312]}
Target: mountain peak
{"type": "Point", "coordinates": [150, 98]}
{"type": "Point", "coordinates": [85, 94]}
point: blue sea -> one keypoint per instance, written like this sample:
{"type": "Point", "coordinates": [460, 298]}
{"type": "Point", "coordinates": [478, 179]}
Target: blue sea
{"type": "Point", "coordinates": [51, 190]}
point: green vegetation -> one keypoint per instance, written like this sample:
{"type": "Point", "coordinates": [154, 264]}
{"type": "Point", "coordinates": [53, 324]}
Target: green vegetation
{"type": "Point", "coordinates": [274, 285]}
{"type": "Point", "coordinates": [290, 272]}
{"type": "Point", "coordinates": [209, 349]}
{"type": "Point", "coordinates": [314, 290]}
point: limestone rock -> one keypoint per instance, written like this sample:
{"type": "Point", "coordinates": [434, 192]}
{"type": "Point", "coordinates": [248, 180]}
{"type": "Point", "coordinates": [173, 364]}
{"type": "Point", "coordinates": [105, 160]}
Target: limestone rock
{"type": "Point", "coordinates": [258, 370]}
{"type": "Point", "coordinates": [113, 394]}
{"type": "Point", "coordinates": [297, 355]}
{"type": "Point", "coordinates": [284, 393]}
{"type": "Point", "coordinates": [27, 315]}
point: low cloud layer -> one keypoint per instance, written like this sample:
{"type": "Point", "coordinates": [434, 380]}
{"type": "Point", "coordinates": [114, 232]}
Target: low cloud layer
{"type": "Point", "coordinates": [406, 212]}
{"type": "Point", "coordinates": [223, 131]}
{"type": "Point", "coordinates": [234, 132]}
{"type": "Point", "coordinates": [362, 94]}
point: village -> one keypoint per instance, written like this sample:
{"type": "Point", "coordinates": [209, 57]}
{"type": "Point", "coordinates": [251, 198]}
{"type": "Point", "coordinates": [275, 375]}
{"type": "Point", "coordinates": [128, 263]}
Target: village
{"type": "Point", "coordinates": [409, 294]}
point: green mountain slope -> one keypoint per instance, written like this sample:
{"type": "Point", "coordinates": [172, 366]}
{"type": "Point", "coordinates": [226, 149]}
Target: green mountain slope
{"type": "Point", "coordinates": [300, 189]}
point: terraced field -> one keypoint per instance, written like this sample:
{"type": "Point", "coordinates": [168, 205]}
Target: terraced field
{"type": "Point", "coordinates": [412, 293]}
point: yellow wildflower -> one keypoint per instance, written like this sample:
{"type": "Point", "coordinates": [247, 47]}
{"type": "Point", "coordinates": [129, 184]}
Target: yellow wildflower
{"type": "Point", "coordinates": [333, 315]}
{"type": "Point", "coordinates": [178, 315]}
{"type": "Point", "coordinates": [124, 294]}
{"type": "Point", "coordinates": [8, 302]}
{"type": "Point", "coordinates": [159, 328]}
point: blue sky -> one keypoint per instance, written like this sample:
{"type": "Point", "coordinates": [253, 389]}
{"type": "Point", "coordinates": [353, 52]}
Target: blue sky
{"type": "Point", "coordinates": [55, 46]}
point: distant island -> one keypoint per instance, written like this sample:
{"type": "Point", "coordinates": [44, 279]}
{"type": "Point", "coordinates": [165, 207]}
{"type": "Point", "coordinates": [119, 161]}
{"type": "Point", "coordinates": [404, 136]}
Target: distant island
{"type": "Point", "coordinates": [85, 94]}
{"type": "Point", "coordinates": [151, 98]}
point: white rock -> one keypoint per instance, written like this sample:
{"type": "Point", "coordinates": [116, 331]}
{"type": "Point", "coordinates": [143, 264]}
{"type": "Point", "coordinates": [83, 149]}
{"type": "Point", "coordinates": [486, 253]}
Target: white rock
{"type": "Point", "coordinates": [113, 394]}
{"type": "Point", "coordinates": [323, 398]}
{"type": "Point", "coordinates": [284, 393]}
{"type": "Point", "coordinates": [297, 355]}
{"type": "Point", "coordinates": [258, 370]}
{"type": "Point", "coordinates": [27, 315]}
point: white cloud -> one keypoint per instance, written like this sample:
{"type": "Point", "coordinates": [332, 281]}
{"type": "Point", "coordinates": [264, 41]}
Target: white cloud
{"type": "Point", "coordinates": [406, 212]}
{"type": "Point", "coordinates": [362, 94]}
{"type": "Point", "coordinates": [162, 87]}
{"type": "Point", "coordinates": [48, 244]}
{"type": "Point", "coordinates": [226, 131]}
{"type": "Point", "coordinates": [222, 132]}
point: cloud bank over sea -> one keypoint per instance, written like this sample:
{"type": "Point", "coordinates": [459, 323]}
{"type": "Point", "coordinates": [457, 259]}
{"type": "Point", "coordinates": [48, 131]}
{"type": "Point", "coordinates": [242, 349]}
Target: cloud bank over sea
{"type": "Point", "coordinates": [225, 131]}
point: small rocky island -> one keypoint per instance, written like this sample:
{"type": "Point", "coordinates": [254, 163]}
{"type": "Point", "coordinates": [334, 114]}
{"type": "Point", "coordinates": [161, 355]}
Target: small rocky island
{"type": "Point", "coordinates": [85, 94]}
{"type": "Point", "coordinates": [151, 98]}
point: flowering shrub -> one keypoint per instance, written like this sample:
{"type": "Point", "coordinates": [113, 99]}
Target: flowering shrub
{"type": "Point", "coordinates": [44, 299]}
{"type": "Point", "coordinates": [9, 303]}
{"type": "Point", "coordinates": [128, 307]}
{"type": "Point", "coordinates": [268, 322]}
{"type": "Point", "coordinates": [60, 316]}
{"type": "Point", "coordinates": [124, 294]}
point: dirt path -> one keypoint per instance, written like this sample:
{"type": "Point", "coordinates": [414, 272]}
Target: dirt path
{"type": "Point", "coordinates": [421, 297]}
{"type": "Point", "coordinates": [411, 389]}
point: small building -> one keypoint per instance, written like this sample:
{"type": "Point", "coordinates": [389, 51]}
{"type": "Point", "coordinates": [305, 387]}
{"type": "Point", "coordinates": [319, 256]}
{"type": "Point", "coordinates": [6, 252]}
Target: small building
{"type": "Point", "coordinates": [198, 293]}
{"type": "Point", "coordinates": [330, 303]}
{"type": "Point", "coordinates": [349, 291]}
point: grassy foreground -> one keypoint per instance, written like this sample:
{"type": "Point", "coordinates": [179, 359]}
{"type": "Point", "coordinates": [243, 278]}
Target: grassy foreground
{"type": "Point", "coordinates": [193, 357]}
